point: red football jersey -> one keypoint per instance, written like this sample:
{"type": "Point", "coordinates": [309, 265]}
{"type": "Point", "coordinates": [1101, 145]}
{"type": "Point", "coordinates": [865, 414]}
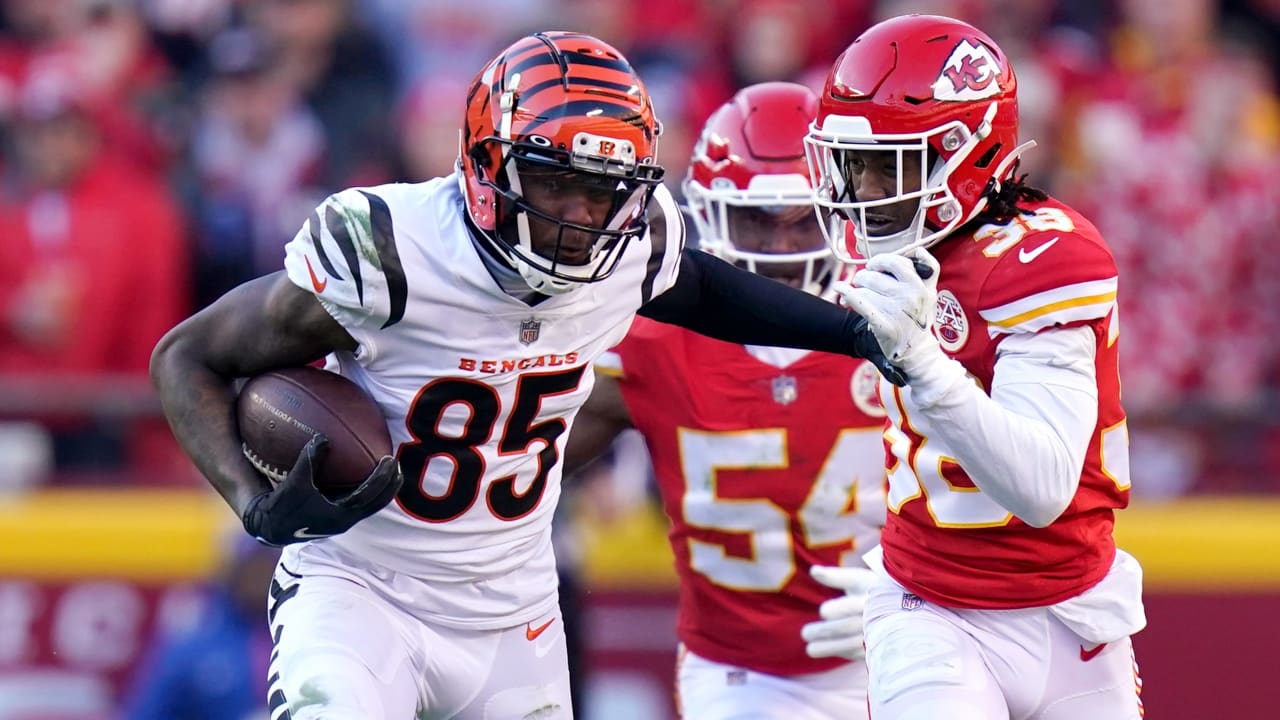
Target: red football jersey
{"type": "Point", "coordinates": [945, 540]}
{"type": "Point", "coordinates": [764, 471]}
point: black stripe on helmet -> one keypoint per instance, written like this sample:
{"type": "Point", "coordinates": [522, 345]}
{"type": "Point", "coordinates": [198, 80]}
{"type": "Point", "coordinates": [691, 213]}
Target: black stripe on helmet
{"type": "Point", "coordinates": [625, 113]}
{"type": "Point", "coordinates": [573, 58]}
{"type": "Point", "coordinates": [587, 83]}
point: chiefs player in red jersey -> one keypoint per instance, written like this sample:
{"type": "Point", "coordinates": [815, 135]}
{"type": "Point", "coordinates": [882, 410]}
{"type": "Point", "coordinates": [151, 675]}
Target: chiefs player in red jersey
{"type": "Point", "coordinates": [769, 461]}
{"type": "Point", "coordinates": [1002, 593]}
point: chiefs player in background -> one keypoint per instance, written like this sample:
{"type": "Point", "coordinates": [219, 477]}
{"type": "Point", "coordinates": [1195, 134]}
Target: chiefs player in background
{"type": "Point", "coordinates": [769, 461]}
{"type": "Point", "coordinates": [1001, 591]}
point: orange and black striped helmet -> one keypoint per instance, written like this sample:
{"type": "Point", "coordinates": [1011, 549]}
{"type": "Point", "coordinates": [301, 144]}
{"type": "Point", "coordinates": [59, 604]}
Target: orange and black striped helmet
{"type": "Point", "coordinates": [559, 101]}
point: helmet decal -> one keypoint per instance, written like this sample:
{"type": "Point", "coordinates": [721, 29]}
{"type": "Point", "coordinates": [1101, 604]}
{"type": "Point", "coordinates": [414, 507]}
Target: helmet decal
{"type": "Point", "coordinates": [969, 74]}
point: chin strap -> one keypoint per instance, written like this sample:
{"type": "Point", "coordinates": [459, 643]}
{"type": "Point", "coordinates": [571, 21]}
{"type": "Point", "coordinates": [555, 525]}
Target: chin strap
{"type": "Point", "coordinates": [542, 282]}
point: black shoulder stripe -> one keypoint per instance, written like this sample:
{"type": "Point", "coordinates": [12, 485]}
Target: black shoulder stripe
{"type": "Point", "coordinates": [661, 216]}
{"type": "Point", "coordinates": [327, 264]}
{"type": "Point", "coordinates": [657, 250]}
{"type": "Point", "coordinates": [341, 235]}
{"type": "Point", "coordinates": [384, 240]}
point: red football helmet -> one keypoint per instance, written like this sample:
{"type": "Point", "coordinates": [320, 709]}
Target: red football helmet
{"type": "Point", "coordinates": [748, 175]}
{"type": "Point", "coordinates": [558, 101]}
{"type": "Point", "coordinates": [915, 84]}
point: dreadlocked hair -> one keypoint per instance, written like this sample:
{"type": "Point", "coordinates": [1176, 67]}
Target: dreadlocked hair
{"type": "Point", "coordinates": [1002, 204]}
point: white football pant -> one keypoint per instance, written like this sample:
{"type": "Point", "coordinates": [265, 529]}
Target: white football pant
{"type": "Point", "coordinates": [928, 662]}
{"type": "Point", "coordinates": [709, 690]}
{"type": "Point", "coordinates": [344, 651]}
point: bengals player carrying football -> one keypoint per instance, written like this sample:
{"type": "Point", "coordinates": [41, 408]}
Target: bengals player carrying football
{"type": "Point", "coordinates": [768, 461]}
{"type": "Point", "coordinates": [1002, 593]}
{"type": "Point", "coordinates": [471, 308]}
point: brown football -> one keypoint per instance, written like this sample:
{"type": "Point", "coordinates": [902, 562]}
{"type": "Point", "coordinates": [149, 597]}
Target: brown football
{"type": "Point", "coordinates": [280, 411]}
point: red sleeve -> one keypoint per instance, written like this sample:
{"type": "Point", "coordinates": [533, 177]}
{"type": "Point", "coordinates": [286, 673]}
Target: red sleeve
{"type": "Point", "coordinates": [1051, 277]}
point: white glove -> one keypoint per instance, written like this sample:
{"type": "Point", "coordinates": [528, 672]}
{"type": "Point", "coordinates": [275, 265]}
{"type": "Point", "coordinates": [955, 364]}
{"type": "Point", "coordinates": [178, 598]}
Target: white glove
{"type": "Point", "coordinates": [839, 632]}
{"type": "Point", "coordinates": [898, 304]}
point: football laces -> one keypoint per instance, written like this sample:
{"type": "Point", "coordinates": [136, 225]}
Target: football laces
{"type": "Point", "coordinates": [272, 472]}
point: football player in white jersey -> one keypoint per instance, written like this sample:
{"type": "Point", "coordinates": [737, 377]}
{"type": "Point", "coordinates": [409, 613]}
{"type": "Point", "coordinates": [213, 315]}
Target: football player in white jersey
{"type": "Point", "coordinates": [471, 308]}
{"type": "Point", "coordinates": [1002, 594]}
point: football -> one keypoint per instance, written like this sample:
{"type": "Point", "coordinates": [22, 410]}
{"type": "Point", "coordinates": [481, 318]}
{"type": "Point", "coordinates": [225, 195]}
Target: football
{"type": "Point", "coordinates": [280, 411]}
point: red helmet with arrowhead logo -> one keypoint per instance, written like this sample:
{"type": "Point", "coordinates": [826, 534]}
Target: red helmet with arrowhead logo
{"type": "Point", "coordinates": [922, 84]}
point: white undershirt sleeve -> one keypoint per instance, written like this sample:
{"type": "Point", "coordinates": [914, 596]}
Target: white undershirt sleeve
{"type": "Point", "coordinates": [1025, 444]}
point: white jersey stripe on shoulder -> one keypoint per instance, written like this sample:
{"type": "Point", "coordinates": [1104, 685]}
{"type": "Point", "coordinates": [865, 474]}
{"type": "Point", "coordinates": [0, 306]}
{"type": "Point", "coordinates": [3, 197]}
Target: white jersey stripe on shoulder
{"type": "Point", "coordinates": [1075, 306]}
{"type": "Point", "coordinates": [1049, 317]}
{"type": "Point", "coordinates": [1093, 292]}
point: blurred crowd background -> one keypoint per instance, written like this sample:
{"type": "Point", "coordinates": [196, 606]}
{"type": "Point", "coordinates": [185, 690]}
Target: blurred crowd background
{"type": "Point", "coordinates": [155, 153]}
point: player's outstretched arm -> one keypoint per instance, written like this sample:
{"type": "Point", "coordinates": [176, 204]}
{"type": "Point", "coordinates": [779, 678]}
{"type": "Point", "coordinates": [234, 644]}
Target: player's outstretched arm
{"type": "Point", "coordinates": [600, 420]}
{"type": "Point", "coordinates": [263, 324]}
{"type": "Point", "coordinates": [1023, 441]}
{"type": "Point", "coordinates": [716, 299]}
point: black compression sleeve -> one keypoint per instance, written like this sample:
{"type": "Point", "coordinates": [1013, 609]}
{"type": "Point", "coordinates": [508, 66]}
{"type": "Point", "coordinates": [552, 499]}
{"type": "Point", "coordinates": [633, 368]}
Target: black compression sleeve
{"type": "Point", "coordinates": [716, 299]}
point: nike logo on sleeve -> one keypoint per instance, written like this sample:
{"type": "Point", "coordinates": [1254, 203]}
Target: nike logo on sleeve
{"type": "Point", "coordinates": [1026, 256]}
{"type": "Point", "coordinates": [319, 284]}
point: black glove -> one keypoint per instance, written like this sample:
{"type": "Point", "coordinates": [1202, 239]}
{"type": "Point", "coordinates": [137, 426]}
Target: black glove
{"type": "Point", "coordinates": [866, 346]}
{"type": "Point", "coordinates": [295, 511]}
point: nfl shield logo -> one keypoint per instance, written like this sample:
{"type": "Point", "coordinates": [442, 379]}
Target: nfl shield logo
{"type": "Point", "coordinates": [529, 330]}
{"type": "Point", "coordinates": [911, 602]}
{"type": "Point", "coordinates": [784, 390]}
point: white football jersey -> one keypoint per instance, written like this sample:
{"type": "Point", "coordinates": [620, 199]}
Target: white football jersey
{"type": "Point", "coordinates": [479, 389]}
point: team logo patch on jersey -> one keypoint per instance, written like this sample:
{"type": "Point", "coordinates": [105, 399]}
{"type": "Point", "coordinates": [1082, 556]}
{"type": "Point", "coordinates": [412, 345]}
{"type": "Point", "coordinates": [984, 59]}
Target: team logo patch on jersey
{"type": "Point", "coordinates": [969, 74]}
{"type": "Point", "coordinates": [951, 327]}
{"type": "Point", "coordinates": [911, 602]}
{"type": "Point", "coordinates": [785, 390]}
{"type": "Point", "coordinates": [865, 389]}
{"type": "Point", "coordinates": [529, 330]}
{"type": "Point", "coordinates": [735, 677]}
